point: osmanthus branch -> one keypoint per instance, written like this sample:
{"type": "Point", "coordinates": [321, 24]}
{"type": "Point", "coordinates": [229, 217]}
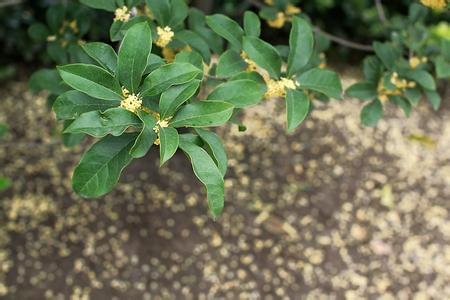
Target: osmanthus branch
{"type": "Point", "coordinates": [5, 3]}
{"type": "Point", "coordinates": [336, 39]}
{"type": "Point", "coordinates": [381, 13]}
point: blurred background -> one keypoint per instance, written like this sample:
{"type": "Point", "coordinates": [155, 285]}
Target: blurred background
{"type": "Point", "coordinates": [333, 211]}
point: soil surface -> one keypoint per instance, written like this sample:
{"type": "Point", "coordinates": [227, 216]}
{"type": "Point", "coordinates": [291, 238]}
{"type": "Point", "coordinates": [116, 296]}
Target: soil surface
{"type": "Point", "coordinates": [333, 211]}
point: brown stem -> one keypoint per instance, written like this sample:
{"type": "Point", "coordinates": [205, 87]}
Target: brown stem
{"type": "Point", "coordinates": [380, 11]}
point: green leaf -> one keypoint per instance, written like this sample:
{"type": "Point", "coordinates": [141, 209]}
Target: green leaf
{"type": "Point", "coordinates": [301, 42]}
{"type": "Point", "coordinates": [49, 80]}
{"type": "Point", "coordinates": [203, 114]}
{"type": "Point", "coordinates": [72, 104]}
{"type": "Point", "coordinates": [252, 24]}
{"type": "Point", "coordinates": [55, 17]}
{"type": "Point", "coordinates": [364, 90]}
{"type": "Point", "coordinates": [38, 32]}
{"type": "Point", "coordinates": [216, 149]}
{"type": "Point", "coordinates": [147, 136]}
{"type": "Point", "coordinates": [371, 113]}
{"type": "Point", "coordinates": [179, 12]}
{"type": "Point", "coordinates": [108, 5]}
{"type": "Point", "coordinates": [3, 130]}
{"type": "Point", "coordinates": [100, 167]}
{"type": "Point", "coordinates": [226, 28]}
{"type": "Point", "coordinates": [263, 54]}
{"type": "Point", "coordinates": [192, 57]}
{"type": "Point", "coordinates": [240, 93]}
{"type": "Point", "coordinates": [134, 53]}
{"type": "Point", "coordinates": [373, 69]}
{"type": "Point", "coordinates": [207, 172]}
{"type": "Point", "coordinates": [161, 9]}
{"type": "Point", "coordinates": [413, 95]}
{"type": "Point", "coordinates": [322, 81]}
{"type": "Point", "coordinates": [98, 124]}
{"type": "Point", "coordinates": [230, 63]}
{"type": "Point", "coordinates": [103, 54]}
{"type": "Point", "coordinates": [403, 104]}
{"type": "Point", "coordinates": [169, 143]}
{"type": "Point", "coordinates": [442, 68]}
{"type": "Point", "coordinates": [5, 183]}
{"type": "Point", "coordinates": [434, 98]}
{"type": "Point", "coordinates": [423, 78]}
{"type": "Point", "coordinates": [168, 75]}
{"type": "Point", "coordinates": [118, 28]}
{"type": "Point", "coordinates": [154, 62]}
{"type": "Point", "coordinates": [387, 53]}
{"type": "Point", "coordinates": [197, 43]}
{"type": "Point", "coordinates": [71, 139]}
{"type": "Point", "coordinates": [91, 80]}
{"type": "Point", "coordinates": [175, 96]}
{"type": "Point", "coordinates": [297, 108]}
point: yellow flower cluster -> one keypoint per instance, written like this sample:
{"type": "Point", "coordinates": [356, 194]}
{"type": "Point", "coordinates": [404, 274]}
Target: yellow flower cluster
{"type": "Point", "coordinates": [160, 124]}
{"type": "Point", "coordinates": [434, 4]}
{"type": "Point", "coordinates": [277, 88]}
{"type": "Point", "coordinates": [283, 17]}
{"type": "Point", "coordinates": [416, 61]}
{"type": "Point", "coordinates": [122, 14]}
{"type": "Point", "coordinates": [400, 84]}
{"type": "Point", "coordinates": [165, 36]}
{"type": "Point", "coordinates": [131, 102]}
{"type": "Point", "coordinates": [251, 65]}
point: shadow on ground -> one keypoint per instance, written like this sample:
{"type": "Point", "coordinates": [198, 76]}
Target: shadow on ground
{"type": "Point", "coordinates": [332, 211]}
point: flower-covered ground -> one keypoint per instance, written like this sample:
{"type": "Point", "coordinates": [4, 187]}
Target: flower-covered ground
{"type": "Point", "coordinates": [333, 211]}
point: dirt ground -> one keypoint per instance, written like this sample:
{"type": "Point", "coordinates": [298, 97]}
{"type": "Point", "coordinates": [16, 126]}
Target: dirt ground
{"type": "Point", "coordinates": [333, 211]}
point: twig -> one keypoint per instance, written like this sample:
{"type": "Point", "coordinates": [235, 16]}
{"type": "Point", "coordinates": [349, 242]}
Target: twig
{"type": "Point", "coordinates": [9, 2]}
{"type": "Point", "coordinates": [333, 38]}
{"type": "Point", "coordinates": [344, 42]}
{"type": "Point", "coordinates": [215, 77]}
{"type": "Point", "coordinates": [380, 11]}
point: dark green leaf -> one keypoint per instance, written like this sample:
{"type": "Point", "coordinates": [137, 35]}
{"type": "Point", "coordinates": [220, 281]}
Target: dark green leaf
{"type": "Point", "coordinates": [301, 42]}
{"type": "Point", "coordinates": [169, 143]}
{"type": "Point", "coordinates": [371, 113]}
{"type": "Point", "coordinates": [72, 104]}
{"type": "Point", "coordinates": [403, 104]}
{"type": "Point", "coordinates": [423, 78]}
{"type": "Point", "coordinates": [4, 183]}
{"type": "Point", "coordinates": [197, 43]}
{"type": "Point", "coordinates": [38, 32]}
{"type": "Point", "coordinates": [100, 168]}
{"type": "Point", "coordinates": [252, 24]}
{"type": "Point", "coordinates": [168, 75]}
{"type": "Point", "coordinates": [434, 98]}
{"type": "Point", "coordinates": [49, 80]}
{"type": "Point", "coordinates": [161, 9]}
{"type": "Point", "coordinates": [103, 54]}
{"type": "Point", "coordinates": [373, 69]}
{"type": "Point", "coordinates": [147, 136]}
{"type": "Point", "coordinates": [91, 80]}
{"type": "Point", "coordinates": [226, 28]}
{"type": "Point", "coordinates": [263, 54]}
{"type": "Point", "coordinates": [113, 121]}
{"type": "Point", "coordinates": [207, 172]}
{"type": "Point", "coordinates": [215, 148]}
{"type": "Point", "coordinates": [297, 108]}
{"type": "Point", "coordinates": [362, 90]}
{"type": "Point", "coordinates": [387, 53]}
{"type": "Point", "coordinates": [240, 93]}
{"type": "Point", "coordinates": [203, 114]}
{"type": "Point", "coordinates": [134, 54]}
{"type": "Point", "coordinates": [175, 96]}
{"type": "Point", "coordinates": [413, 95]}
{"type": "Point", "coordinates": [322, 81]}
{"type": "Point", "coordinates": [230, 63]}
{"type": "Point", "coordinates": [108, 5]}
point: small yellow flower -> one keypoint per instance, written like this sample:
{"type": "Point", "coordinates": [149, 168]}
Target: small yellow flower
{"type": "Point", "coordinates": [292, 9]}
{"type": "Point", "coordinates": [122, 14]}
{"type": "Point", "coordinates": [51, 38]}
{"type": "Point", "coordinates": [131, 102]}
{"type": "Point", "coordinates": [165, 36]}
{"type": "Point", "coordinates": [414, 62]}
{"type": "Point", "coordinates": [278, 22]}
{"type": "Point", "coordinates": [168, 54]}
{"type": "Point", "coordinates": [251, 65]}
{"type": "Point", "coordinates": [160, 124]}
{"type": "Point", "coordinates": [73, 25]}
{"type": "Point", "coordinates": [434, 4]}
{"type": "Point", "coordinates": [277, 88]}
{"type": "Point", "coordinates": [269, 2]}
{"type": "Point", "coordinates": [383, 98]}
